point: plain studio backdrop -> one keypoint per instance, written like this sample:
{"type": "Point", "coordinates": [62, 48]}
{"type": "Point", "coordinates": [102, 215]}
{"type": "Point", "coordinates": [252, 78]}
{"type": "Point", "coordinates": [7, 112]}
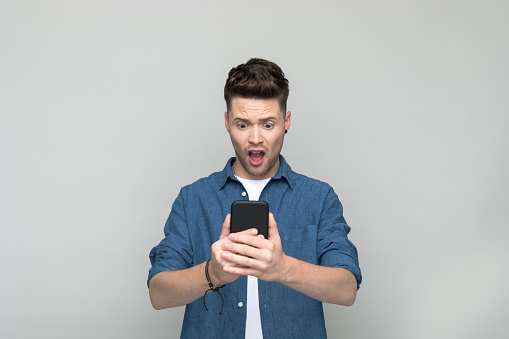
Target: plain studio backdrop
{"type": "Point", "coordinates": [107, 108]}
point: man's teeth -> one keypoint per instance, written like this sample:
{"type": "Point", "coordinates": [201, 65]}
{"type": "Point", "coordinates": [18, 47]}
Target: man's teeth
{"type": "Point", "coordinates": [257, 155]}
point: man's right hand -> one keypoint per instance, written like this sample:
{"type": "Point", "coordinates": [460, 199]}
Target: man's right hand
{"type": "Point", "coordinates": [217, 275]}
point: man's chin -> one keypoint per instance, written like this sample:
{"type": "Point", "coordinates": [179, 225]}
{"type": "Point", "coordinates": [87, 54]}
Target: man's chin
{"type": "Point", "coordinates": [256, 172]}
{"type": "Point", "coordinates": [261, 172]}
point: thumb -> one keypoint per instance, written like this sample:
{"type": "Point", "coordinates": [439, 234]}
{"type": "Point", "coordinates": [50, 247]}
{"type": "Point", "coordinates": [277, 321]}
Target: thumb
{"type": "Point", "coordinates": [226, 227]}
{"type": "Point", "coordinates": [273, 232]}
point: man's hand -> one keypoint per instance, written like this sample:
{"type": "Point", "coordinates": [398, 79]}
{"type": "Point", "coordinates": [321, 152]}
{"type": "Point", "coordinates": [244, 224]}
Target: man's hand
{"type": "Point", "coordinates": [251, 254]}
{"type": "Point", "coordinates": [218, 275]}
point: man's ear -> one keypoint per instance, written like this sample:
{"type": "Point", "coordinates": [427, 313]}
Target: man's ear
{"type": "Point", "coordinates": [226, 124]}
{"type": "Point", "coordinates": [288, 120]}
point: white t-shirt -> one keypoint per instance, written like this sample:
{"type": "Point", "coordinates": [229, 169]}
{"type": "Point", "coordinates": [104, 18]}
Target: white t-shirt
{"type": "Point", "coordinates": [253, 322]}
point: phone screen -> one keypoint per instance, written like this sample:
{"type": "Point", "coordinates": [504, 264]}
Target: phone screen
{"type": "Point", "coordinates": [250, 214]}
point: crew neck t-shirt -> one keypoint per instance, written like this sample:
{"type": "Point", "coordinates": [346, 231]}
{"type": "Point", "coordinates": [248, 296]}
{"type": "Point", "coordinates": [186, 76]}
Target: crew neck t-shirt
{"type": "Point", "coordinates": [253, 322]}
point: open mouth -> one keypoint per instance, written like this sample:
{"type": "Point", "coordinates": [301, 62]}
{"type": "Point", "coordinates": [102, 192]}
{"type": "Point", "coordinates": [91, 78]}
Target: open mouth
{"type": "Point", "coordinates": [256, 157]}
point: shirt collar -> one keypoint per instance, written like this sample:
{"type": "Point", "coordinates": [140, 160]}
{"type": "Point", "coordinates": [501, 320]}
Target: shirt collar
{"type": "Point", "coordinates": [284, 171]}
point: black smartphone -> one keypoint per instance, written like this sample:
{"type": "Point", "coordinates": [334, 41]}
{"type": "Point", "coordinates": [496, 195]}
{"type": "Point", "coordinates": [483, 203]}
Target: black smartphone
{"type": "Point", "coordinates": [250, 214]}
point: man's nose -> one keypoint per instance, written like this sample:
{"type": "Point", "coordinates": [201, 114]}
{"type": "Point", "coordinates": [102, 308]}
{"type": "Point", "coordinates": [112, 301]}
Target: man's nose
{"type": "Point", "coordinates": [255, 136]}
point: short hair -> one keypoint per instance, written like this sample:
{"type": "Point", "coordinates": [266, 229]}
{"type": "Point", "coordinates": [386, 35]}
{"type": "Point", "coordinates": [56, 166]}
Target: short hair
{"type": "Point", "coordinates": [258, 79]}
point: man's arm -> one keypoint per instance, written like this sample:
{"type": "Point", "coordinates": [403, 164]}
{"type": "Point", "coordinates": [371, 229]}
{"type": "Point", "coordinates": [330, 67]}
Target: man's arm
{"type": "Point", "coordinates": [333, 285]}
{"type": "Point", "coordinates": [265, 259]}
{"type": "Point", "coordinates": [177, 288]}
{"type": "Point", "coordinates": [181, 287]}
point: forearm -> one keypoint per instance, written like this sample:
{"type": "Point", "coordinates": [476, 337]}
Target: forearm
{"type": "Point", "coordinates": [177, 288]}
{"type": "Point", "coordinates": [334, 285]}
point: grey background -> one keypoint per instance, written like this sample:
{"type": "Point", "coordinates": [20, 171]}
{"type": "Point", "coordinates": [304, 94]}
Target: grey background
{"type": "Point", "coordinates": [107, 108]}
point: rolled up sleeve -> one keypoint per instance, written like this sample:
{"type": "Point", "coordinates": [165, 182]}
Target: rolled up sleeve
{"type": "Point", "coordinates": [334, 248]}
{"type": "Point", "coordinates": [174, 252]}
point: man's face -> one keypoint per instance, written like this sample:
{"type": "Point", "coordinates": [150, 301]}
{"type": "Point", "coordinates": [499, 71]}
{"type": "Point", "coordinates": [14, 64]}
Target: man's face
{"type": "Point", "coordinates": [257, 129]}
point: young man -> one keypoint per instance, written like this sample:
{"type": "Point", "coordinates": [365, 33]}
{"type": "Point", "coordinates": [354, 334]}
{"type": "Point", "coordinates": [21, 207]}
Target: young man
{"type": "Point", "coordinates": [274, 287]}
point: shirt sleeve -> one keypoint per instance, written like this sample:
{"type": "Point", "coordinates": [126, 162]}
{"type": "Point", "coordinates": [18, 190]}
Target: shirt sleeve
{"type": "Point", "coordinates": [334, 247]}
{"type": "Point", "coordinates": [174, 252]}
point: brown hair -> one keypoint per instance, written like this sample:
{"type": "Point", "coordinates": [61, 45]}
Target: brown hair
{"type": "Point", "coordinates": [259, 79]}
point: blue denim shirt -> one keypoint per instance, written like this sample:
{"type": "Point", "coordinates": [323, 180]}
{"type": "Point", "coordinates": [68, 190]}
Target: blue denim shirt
{"type": "Point", "coordinates": [312, 228]}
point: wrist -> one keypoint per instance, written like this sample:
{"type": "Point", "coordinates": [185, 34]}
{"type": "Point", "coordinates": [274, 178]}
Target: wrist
{"type": "Point", "coordinates": [214, 276]}
{"type": "Point", "coordinates": [288, 270]}
{"type": "Point", "coordinates": [212, 288]}
{"type": "Point", "coordinates": [213, 279]}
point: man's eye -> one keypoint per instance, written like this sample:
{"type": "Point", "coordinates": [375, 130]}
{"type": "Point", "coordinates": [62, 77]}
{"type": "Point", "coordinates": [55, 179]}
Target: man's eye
{"type": "Point", "coordinates": [242, 126]}
{"type": "Point", "coordinates": [268, 125]}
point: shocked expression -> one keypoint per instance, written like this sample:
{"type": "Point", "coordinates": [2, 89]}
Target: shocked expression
{"type": "Point", "coordinates": [257, 129]}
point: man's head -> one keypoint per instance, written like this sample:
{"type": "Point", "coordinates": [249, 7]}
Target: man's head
{"type": "Point", "coordinates": [256, 95]}
{"type": "Point", "coordinates": [257, 79]}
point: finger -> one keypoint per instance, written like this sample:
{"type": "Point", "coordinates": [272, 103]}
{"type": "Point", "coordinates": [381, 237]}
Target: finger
{"type": "Point", "coordinates": [251, 231]}
{"type": "Point", "coordinates": [226, 262]}
{"type": "Point", "coordinates": [226, 227]}
{"type": "Point", "coordinates": [238, 248]}
{"type": "Point", "coordinates": [273, 232]}
{"type": "Point", "coordinates": [241, 261]}
{"type": "Point", "coordinates": [248, 239]}
{"type": "Point", "coordinates": [239, 270]}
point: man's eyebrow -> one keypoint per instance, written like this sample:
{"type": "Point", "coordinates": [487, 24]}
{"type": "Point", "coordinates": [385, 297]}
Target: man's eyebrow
{"type": "Point", "coordinates": [240, 119]}
{"type": "Point", "coordinates": [269, 118]}
{"type": "Point", "coordinates": [262, 120]}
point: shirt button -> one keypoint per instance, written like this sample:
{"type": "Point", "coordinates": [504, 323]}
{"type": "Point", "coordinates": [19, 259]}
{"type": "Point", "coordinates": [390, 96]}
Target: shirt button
{"type": "Point", "coordinates": [240, 304]}
{"type": "Point", "coordinates": [244, 194]}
